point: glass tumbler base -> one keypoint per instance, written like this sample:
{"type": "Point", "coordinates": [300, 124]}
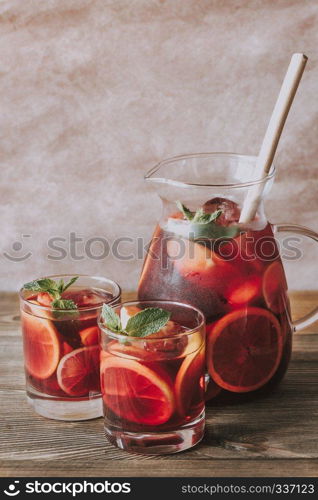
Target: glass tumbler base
{"type": "Point", "coordinates": [158, 443]}
{"type": "Point", "coordinates": [67, 410]}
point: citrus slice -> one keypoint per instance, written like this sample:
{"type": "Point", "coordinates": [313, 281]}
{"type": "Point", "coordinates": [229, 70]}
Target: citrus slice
{"type": "Point", "coordinates": [41, 346]}
{"type": "Point", "coordinates": [78, 371]}
{"type": "Point", "coordinates": [244, 349]}
{"type": "Point", "coordinates": [135, 392]}
{"type": "Point", "coordinates": [244, 291]}
{"type": "Point", "coordinates": [89, 336]}
{"type": "Point", "coordinates": [44, 299]}
{"type": "Point", "coordinates": [188, 379]}
{"type": "Point", "coordinates": [274, 287]}
{"type": "Point", "coordinates": [190, 257]}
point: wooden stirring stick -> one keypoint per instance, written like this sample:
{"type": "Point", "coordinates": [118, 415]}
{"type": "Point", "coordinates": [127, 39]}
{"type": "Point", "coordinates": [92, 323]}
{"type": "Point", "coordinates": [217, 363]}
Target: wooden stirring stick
{"type": "Point", "coordinates": [273, 133]}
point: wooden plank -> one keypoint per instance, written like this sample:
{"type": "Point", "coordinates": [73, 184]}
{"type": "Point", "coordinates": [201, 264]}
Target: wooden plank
{"type": "Point", "coordinates": [158, 468]}
{"type": "Point", "coordinates": [273, 434]}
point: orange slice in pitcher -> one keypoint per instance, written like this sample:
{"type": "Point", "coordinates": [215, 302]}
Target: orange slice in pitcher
{"type": "Point", "coordinates": [245, 290]}
{"type": "Point", "coordinates": [244, 349]}
{"type": "Point", "coordinates": [274, 287]}
{"type": "Point", "coordinates": [191, 257]}
{"type": "Point", "coordinates": [135, 392]}
{"type": "Point", "coordinates": [41, 346]}
{"type": "Point", "coordinates": [78, 371]}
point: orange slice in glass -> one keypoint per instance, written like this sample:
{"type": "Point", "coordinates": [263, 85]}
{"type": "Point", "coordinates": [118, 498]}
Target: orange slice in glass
{"type": "Point", "coordinates": [135, 392]}
{"type": "Point", "coordinates": [41, 346]}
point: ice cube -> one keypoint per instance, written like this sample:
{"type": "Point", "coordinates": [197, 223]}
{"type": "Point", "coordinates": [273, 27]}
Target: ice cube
{"type": "Point", "coordinates": [230, 210]}
{"type": "Point", "coordinates": [169, 340]}
{"type": "Point", "coordinates": [87, 298]}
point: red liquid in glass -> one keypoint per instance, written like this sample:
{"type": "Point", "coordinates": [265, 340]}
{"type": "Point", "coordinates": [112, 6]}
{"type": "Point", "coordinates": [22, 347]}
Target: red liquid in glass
{"type": "Point", "coordinates": [154, 386]}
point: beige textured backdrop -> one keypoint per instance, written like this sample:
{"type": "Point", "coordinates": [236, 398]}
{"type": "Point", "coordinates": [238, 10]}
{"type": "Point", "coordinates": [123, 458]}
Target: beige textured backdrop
{"type": "Point", "coordinates": [93, 92]}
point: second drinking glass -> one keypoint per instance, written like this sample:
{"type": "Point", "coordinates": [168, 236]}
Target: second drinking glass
{"type": "Point", "coordinates": [153, 386]}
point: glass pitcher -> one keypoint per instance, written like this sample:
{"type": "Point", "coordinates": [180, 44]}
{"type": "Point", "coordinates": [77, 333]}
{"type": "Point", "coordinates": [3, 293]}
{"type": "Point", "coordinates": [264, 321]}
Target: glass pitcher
{"type": "Point", "coordinates": [202, 255]}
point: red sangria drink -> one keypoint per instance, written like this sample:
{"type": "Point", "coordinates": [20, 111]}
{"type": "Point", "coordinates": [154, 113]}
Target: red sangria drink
{"type": "Point", "coordinates": [202, 255]}
{"type": "Point", "coordinates": [152, 376]}
{"type": "Point", "coordinates": [61, 344]}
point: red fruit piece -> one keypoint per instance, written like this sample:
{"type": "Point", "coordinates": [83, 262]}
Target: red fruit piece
{"type": "Point", "coordinates": [66, 348]}
{"type": "Point", "coordinates": [44, 299]}
{"type": "Point", "coordinates": [244, 291]}
{"type": "Point", "coordinates": [78, 371]}
{"type": "Point", "coordinates": [89, 336]}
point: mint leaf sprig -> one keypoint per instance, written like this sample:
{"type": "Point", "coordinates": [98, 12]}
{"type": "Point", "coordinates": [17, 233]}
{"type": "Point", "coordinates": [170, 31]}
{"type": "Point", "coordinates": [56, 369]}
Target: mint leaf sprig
{"type": "Point", "coordinates": [142, 324]}
{"type": "Point", "coordinates": [201, 226]}
{"type": "Point", "coordinates": [198, 217]}
{"type": "Point", "coordinates": [55, 289]}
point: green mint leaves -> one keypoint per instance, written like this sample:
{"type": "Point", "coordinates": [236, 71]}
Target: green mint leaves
{"type": "Point", "coordinates": [186, 212]}
{"type": "Point", "coordinates": [63, 304]}
{"type": "Point", "coordinates": [111, 319]}
{"type": "Point", "coordinates": [147, 321]}
{"type": "Point", "coordinates": [142, 324]}
{"type": "Point", "coordinates": [201, 226]}
{"type": "Point", "coordinates": [198, 217]}
{"type": "Point", "coordinates": [55, 289]}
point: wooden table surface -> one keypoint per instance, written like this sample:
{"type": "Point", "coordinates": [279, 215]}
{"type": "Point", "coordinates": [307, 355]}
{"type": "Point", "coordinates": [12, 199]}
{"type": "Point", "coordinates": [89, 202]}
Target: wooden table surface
{"type": "Point", "coordinates": [275, 435]}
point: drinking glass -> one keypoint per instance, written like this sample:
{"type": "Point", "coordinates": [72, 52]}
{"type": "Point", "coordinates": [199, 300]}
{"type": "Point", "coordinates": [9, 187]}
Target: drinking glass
{"type": "Point", "coordinates": [61, 348]}
{"type": "Point", "coordinates": [153, 387]}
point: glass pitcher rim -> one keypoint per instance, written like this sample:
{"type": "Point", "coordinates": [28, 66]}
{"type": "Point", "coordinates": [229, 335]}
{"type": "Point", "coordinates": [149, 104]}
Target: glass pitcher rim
{"type": "Point", "coordinates": [163, 180]}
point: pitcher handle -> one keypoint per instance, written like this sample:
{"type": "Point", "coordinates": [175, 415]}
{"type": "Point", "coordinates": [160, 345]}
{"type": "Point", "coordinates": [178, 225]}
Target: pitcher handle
{"type": "Point", "coordinates": [311, 317]}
